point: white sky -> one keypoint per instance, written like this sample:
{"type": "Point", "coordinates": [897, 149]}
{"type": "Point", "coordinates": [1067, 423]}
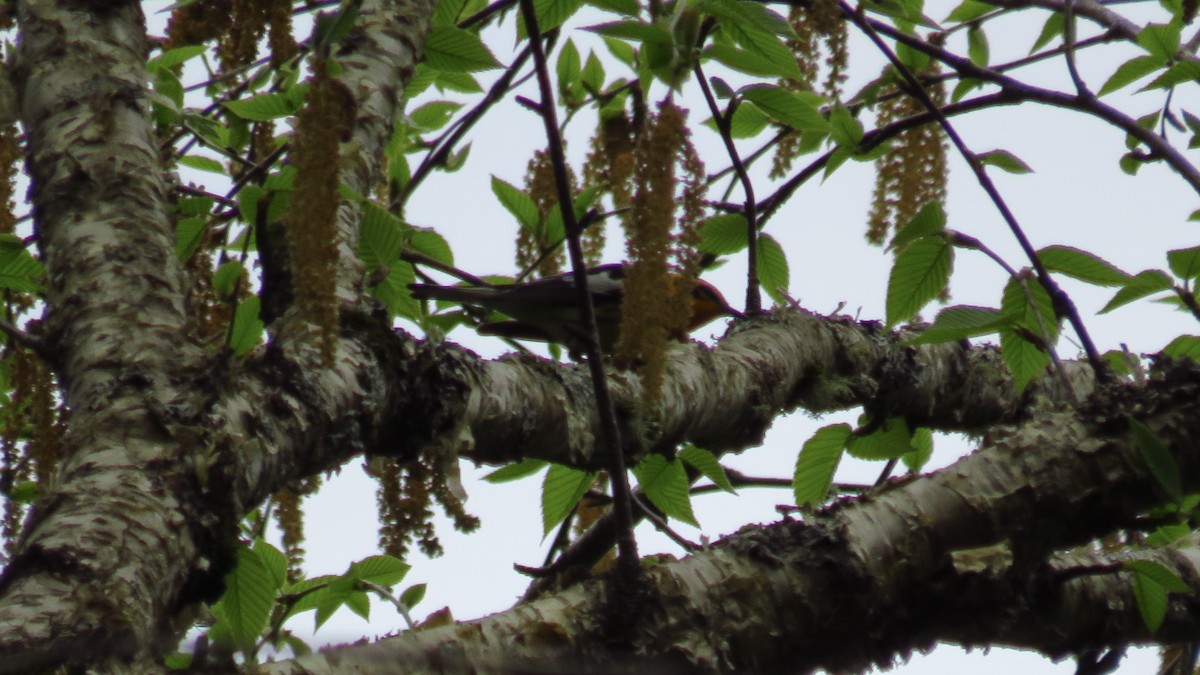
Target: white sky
{"type": "Point", "coordinates": [1077, 197]}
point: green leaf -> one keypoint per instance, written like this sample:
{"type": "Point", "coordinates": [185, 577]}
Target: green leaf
{"type": "Point", "coordinates": [1054, 27]}
{"type": "Point", "coordinates": [1129, 72]}
{"type": "Point", "coordinates": [247, 327]}
{"type": "Point", "coordinates": [429, 242]}
{"type": "Point", "coordinates": [622, 51]}
{"type": "Point", "coordinates": [969, 10]}
{"type": "Point", "coordinates": [1185, 262]}
{"type": "Point", "coordinates": [393, 291]}
{"type": "Point", "coordinates": [1161, 574]}
{"type": "Point", "coordinates": [890, 441]}
{"type": "Point", "coordinates": [433, 115]}
{"type": "Point", "coordinates": [515, 471]}
{"type": "Point", "coordinates": [550, 14]}
{"type": "Point", "coordinates": [250, 591]}
{"type": "Point", "coordinates": [274, 560]}
{"type": "Point", "coordinates": [1184, 346]}
{"type": "Point", "coordinates": [1004, 160]}
{"type": "Point", "coordinates": [1137, 287]}
{"type": "Point", "coordinates": [568, 69]}
{"type": "Point", "coordinates": [1082, 265]}
{"type": "Point", "coordinates": [752, 63]}
{"type": "Point", "coordinates": [226, 278]}
{"type": "Point", "coordinates": [1161, 40]}
{"type": "Point", "coordinates": [174, 57]}
{"type": "Point", "coordinates": [463, 83]}
{"type": "Point", "coordinates": [383, 570]}
{"type": "Point", "coordinates": [1178, 73]}
{"type": "Point", "coordinates": [922, 443]}
{"type": "Point", "coordinates": [773, 271]}
{"type": "Point", "coordinates": [1165, 535]}
{"type": "Point", "coordinates": [747, 122]}
{"type": "Point", "coordinates": [666, 486]}
{"type": "Point", "coordinates": [593, 73]}
{"type": "Point", "coordinates": [636, 31]}
{"type": "Point", "coordinates": [977, 46]}
{"type": "Point", "coordinates": [458, 51]}
{"type": "Point", "coordinates": [724, 234]}
{"type": "Point", "coordinates": [561, 490]}
{"type": "Point", "coordinates": [1151, 600]}
{"type": "Point", "coordinates": [1158, 459]}
{"type": "Point", "coordinates": [930, 219]}
{"type": "Point", "coordinates": [189, 232]}
{"type": "Point", "coordinates": [846, 130]}
{"type": "Point", "coordinates": [262, 107]}
{"type": "Point", "coordinates": [817, 463]}
{"type": "Point", "coordinates": [959, 323]}
{"type": "Point", "coordinates": [381, 236]}
{"type": "Point", "coordinates": [1024, 359]}
{"type": "Point", "coordinates": [413, 595]}
{"type": "Point", "coordinates": [707, 464]}
{"type": "Point", "coordinates": [517, 202]}
{"type": "Point", "coordinates": [306, 594]}
{"type": "Point", "coordinates": [785, 107]}
{"type": "Point", "coordinates": [201, 162]}
{"type": "Point", "coordinates": [920, 274]}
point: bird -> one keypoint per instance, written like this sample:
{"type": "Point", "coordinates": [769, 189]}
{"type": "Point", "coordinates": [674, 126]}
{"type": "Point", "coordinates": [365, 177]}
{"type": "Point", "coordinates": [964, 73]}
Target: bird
{"type": "Point", "coordinates": [547, 310]}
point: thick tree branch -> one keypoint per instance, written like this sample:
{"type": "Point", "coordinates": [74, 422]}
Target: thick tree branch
{"type": "Point", "coordinates": [726, 398]}
{"type": "Point", "coordinates": [872, 577]}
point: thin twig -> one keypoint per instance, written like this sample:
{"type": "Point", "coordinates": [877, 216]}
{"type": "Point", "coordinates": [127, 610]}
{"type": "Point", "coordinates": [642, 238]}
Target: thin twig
{"type": "Point", "coordinates": [660, 524]}
{"type": "Point", "coordinates": [753, 292]}
{"type": "Point", "coordinates": [627, 554]}
{"type": "Point", "coordinates": [1062, 303]}
{"type": "Point", "coordinates": [36, 345]}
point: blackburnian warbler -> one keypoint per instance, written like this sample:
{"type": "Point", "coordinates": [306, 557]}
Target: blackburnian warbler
{"type": "Point", "coordinates": [545, 310]}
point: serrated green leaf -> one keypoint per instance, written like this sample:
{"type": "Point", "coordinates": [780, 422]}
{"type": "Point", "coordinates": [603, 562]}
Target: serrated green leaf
{"type": "Point", "coordinates": [263, 107]}
{"type": "Point", "coordinates": [517, 202]}
{"type": "Point", "coordinates": [707, 464]}
{"type": "Point", "coordinates": [561, 490]}
{"type": "Point", "coordinates": [1165, 535]}
{"type": "Point", "coordinates": [1024, 359]}
{"type": "Point", "coordinates": [844, 128]}
{"type": "Point", "coordinates": [381, 236]}
{"type": "Point", "coordinates": [929, 219]}
{"type": "Point", "coordinates": [890, 441]}
{"type": "Point", "coordinates": [433, 115]}
{"type": "Point", "coordinates": [1151, 600]}
{"type": "Point", "coordinates": [1158, 459]}
{"type": "Point", "coordinates": [174, 57]}
{"type": "Point", "coordinates": [1005, 161]}
{"type": "Point", "coordinates": [550, 14]}
{"type": "Point", "coordinates": [922, 443]}
{"type": "Point", "coordinates": [1185, 262]}
{"type": "Point", "coordinates": [785, 107]}
{"type": "Point", "coordinates": [306, 594]}
{"type": "Point", "coordinates": [1184, 346]}
{"type": "Point", "coordinates": [1161, 40]}
{"type": "Point", "coordinates": [919, 275]}
{"type": "Point", "coordinates": [250, 591]}
{"type": "Point", "coordinates": [568, 68]}
{"type": "Point", "coordinates": [773, 271]}
{"type": "Point", "coordinates": [968, 10]}
{"type": "Point", "coordinates": [622, 51]}
{"type": "Point", "coordinates": [636, 31]}
{"type": "Point", "coordinates": [393, 291]}
{"type": "Point", "coordinates": [752, 63]}
{"type": "Point", "coordinates": [1082, 265]}
{"type": "Point", "coordinates": [593, 73]}
{"type": "Point", "coordinates": [247, 327]}
{"type": "Point", "coordinates": [515, 471]}
{"type": "Point", "coordinates": [665, 484]}
{"type": "Point", "coordinates": [463, 83]}
{"type": "Point", "coordinates": [724, 234]}
{"type": "Point", "coordinates": [384, 570]}
{"type": "Point", "coordinates": [1137, 287]}
{"type": "Point", "coordinates": [1177, 73]}
{"type": "Point", "coordinates": [1026, 304]}
{"type": "Point", "coordinates": [1129, 72]}
{"type": "Point", "coordinates": [817, 463]}
{"type": "Point", "coordinates": [747, 122]}
{"type": "Point", "coordinates": [457, 51]}
{"type": "Point", "coordinates": [1161, 574]}
{"type": "Point", "coordinates": [189, 232]}
{"type": "Point", "coordinates": [225, 279]}
{"type": "Point", "coordinates": [274, 560]}
{"type": "Point", "coordinates": [429, 242]}
{"type": "Point", "coordinates": [959, 323]}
